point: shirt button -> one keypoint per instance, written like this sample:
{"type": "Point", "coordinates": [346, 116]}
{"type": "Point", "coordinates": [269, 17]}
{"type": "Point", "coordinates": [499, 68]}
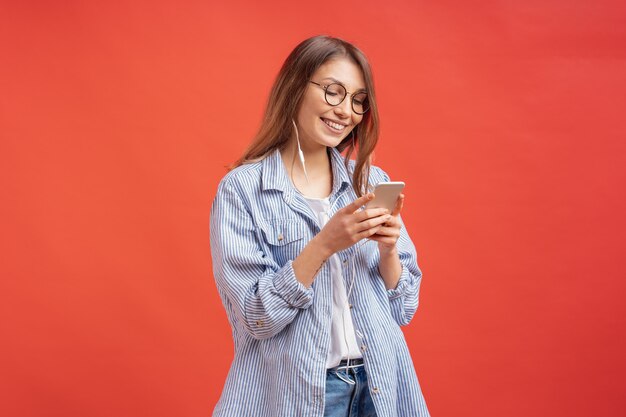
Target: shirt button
{"type": "Point", "coordinates": [350, 305]}
{"type": "Point", "coordinates": [260, 323]}
{"type": "Point", "coordinates": [375, 390]}
{"type": "Point", "coordinates": [280, 237]}
{"type": "Point", "coordinates": [363, 347]}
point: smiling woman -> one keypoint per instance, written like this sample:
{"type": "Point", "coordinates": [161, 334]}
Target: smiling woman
{"type": "Point", "coordinates": [315, 287]}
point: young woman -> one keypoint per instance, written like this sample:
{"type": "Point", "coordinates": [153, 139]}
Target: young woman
{"type": "Point", "coordinates": [314, 285]}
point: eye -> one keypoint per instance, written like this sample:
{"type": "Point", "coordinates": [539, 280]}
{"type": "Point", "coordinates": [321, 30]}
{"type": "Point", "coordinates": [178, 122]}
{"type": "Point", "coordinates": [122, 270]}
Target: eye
{"type": "Point", "coordinates": [335, 90]}
{"type": "Point", "coordinates": [360, 99]}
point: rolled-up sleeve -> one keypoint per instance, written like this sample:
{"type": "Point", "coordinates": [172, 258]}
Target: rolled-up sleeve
{"type": "Point", "coordinates": [263, 296]}
{"type": "Point", "coordinates": [404, 299]}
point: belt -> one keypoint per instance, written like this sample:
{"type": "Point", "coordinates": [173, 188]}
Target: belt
{"type": "Point", "coordinates": [353, 362]}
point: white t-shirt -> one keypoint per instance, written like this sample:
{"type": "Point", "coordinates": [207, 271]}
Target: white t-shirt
{"type": "Point", "coordinates": [343, 343]}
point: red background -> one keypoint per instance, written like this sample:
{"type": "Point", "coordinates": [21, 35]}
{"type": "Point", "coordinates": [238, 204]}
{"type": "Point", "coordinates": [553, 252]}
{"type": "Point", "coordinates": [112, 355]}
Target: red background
{"type": "Point", "coordinates": [505, 119]}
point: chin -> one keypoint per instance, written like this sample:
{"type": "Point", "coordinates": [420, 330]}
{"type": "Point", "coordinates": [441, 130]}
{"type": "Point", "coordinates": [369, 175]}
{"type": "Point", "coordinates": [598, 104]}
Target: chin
{"type": "Point", "coordinates": [330, 140]}
{"type": "Point", "coordinates": [330, 143]}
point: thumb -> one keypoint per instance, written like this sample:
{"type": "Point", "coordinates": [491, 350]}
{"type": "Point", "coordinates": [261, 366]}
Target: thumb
{"type": "Point", "coordinates": [356, 204]}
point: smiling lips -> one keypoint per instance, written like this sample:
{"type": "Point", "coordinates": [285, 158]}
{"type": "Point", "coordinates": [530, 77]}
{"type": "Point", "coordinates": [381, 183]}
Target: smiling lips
{"type": "Point", "coordinates": [334, 125]}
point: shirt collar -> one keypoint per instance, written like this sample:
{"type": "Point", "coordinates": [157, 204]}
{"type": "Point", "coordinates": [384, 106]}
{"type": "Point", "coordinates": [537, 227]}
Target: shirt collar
{"type": "Point", "coordinates": [274, 174]}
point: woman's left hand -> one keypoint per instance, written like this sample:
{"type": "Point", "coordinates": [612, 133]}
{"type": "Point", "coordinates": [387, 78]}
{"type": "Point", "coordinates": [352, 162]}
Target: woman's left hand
{"type": "Point", "coordinates": [388, 234]}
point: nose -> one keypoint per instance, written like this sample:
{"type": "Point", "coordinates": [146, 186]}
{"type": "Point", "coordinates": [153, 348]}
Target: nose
{"type": "Point", "coordinates": [344, 109]}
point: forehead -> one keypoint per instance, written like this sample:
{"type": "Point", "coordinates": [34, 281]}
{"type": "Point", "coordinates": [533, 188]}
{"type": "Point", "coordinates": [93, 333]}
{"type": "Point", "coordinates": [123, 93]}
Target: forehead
{"type": "Point", "coordinates": [343, 70]}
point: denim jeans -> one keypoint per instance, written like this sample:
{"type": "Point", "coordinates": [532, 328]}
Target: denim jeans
{"type": "Point", "coordinates": [347, 400]}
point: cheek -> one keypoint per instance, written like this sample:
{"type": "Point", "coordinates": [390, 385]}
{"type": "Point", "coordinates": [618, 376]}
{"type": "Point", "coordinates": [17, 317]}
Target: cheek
{"type": "Point", "coordinates": [303, 114]}
{"type": "Point", "coordinates": [308, 110]}
{"type": "Point", "coordinates": [356, 119]}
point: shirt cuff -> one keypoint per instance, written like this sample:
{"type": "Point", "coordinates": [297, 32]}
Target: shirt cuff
{"type": "Point", "coordinates": [401, 286]}
{"type": "Point", "coordinates": [292, 290]}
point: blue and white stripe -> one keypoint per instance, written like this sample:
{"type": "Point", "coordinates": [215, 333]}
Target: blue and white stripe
{"type": "Point", "coordinates": [281, 329]}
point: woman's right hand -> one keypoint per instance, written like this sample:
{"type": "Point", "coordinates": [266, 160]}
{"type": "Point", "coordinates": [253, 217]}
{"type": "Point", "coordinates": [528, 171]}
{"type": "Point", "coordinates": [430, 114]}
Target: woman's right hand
{"type": "Point", "coordinates": [344, 229]}
{"type": "Point", "coordinates": [349, 225]}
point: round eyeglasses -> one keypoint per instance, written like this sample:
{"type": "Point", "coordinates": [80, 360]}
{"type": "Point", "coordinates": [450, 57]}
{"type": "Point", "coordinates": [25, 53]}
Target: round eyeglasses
{"type": "Point", "coordinates": [335, 94]}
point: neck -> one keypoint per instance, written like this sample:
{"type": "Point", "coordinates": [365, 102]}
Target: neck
{"type": "Point", "coordinates": [318, 170]}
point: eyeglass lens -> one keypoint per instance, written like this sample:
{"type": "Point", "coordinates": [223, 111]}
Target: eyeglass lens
{"type": "Point", "coordinates": [336, 93]}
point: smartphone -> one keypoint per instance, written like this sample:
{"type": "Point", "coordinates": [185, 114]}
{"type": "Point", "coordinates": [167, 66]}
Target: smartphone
{"type": "Point", "coordinates": [386, 195]}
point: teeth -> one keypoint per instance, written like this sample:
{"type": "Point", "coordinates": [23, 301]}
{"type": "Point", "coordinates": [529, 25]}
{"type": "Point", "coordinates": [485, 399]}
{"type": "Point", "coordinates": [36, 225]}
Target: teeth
{"type": "Point", "coordinates": [334, 125]}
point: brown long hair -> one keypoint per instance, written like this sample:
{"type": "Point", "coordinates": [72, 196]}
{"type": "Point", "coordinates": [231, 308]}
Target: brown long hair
{"type": "Point", "coordinates": [286, 96]}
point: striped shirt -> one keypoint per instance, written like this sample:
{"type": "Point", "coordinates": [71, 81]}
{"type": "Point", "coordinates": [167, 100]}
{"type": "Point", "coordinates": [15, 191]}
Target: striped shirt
{"type": "Point", "coordinates": [281, 329]}
{"type": "Point", "coordinates": [343, 343]}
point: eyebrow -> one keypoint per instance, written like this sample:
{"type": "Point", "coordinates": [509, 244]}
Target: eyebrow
{"type": "Point", "coordinates": [337, 81]}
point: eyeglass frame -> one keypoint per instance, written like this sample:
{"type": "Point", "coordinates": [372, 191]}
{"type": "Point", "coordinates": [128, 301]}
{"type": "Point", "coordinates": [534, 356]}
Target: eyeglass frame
{"type": "Point", "coordinates": [325, 88]}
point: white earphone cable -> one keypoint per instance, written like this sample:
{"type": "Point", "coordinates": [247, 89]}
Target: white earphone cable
{"type": "Point", "coordinates": [300, 153]}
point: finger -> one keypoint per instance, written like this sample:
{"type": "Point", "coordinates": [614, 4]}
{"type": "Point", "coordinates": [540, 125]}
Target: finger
{"type": "Point", "coordinates": [382, 231]}
{"type": "Point", "coordinates": [356, 204]}
{"type": "Point", "coordinates": [393, 221]}
{"type": "Point", "coordinates": [393, 232]}
{"type": "Point", "coordinates": [399, 204]}
{"type": "Point", "coordinates": [372, 223]}
{"type": "Point", "coordinates": [370, 213]}
{"type": "Point", "coordinates": [378, 238]}
{"type": "Point", "coordinates": [367, 233]}
{"type": "Point", "coordinates": [386, 240]}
